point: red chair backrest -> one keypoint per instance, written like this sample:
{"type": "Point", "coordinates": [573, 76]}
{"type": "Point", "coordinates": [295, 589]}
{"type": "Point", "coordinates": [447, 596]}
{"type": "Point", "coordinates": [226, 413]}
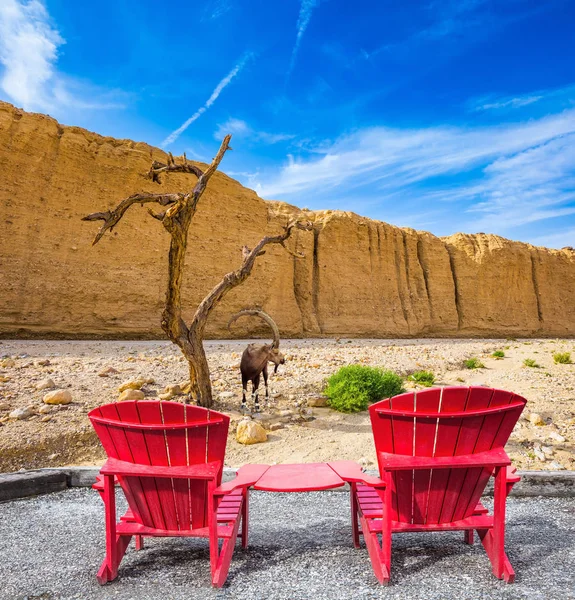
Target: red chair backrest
{"type": "Point", "coordinates": [163, 434]}
{"type": "Point", "coordinates": [448, 421]}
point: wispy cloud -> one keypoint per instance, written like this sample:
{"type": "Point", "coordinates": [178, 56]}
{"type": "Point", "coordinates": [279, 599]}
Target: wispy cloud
{"type": "Point", "coordinates": [565, 96]}
{"type": "Point", "coordinates": [240, 128]}
{"type": "Point", "coordinates": [498, 177]}
{"type": "Point", "coordinates": [215, 9]}
{"type": "Point", "coordinates": [305, 12]}
{"type": "Point", "coordinates": [29, 44]}
{"type": "Point", "coordinates": [214, 96]}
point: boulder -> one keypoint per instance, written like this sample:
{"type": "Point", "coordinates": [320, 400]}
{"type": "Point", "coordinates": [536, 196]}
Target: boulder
{"type": "Point", "coordinates": [250, 432]}
{"type": "Point", "coordinates": [21, 413]}
{"type": "Point", "coordinates": [131, 394]}
{"type": "Point", "coordinates": [134, 384]}
{"type": "Point", "coordinates": [58, 397]}
{"type": "Point", "coordinates": [45, 384]}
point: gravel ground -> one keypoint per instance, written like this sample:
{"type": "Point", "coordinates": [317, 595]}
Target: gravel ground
{"type": "Point", "coordinates": [51, 547]}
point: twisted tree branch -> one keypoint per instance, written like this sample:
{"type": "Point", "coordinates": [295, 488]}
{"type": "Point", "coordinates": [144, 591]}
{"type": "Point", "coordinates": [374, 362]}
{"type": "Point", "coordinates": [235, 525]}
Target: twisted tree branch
{"type": "Point", "coordinates": [112, 217]}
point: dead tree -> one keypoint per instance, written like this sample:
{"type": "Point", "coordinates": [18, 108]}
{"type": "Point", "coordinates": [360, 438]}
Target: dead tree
{"type": "Point", "coordinates": [256, 357]}
{"type": "Point", "coordinates": [176, 218]}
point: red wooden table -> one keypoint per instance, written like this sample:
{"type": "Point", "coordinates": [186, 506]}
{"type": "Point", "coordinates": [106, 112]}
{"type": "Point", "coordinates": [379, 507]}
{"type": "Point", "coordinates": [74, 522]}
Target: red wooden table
{"type": "Point", "coordinates": [306, 477]}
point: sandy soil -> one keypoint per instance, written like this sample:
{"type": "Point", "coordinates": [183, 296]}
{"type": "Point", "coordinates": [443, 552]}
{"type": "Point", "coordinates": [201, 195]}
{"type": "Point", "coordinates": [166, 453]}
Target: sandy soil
{"type": "Point", "coordinates": [64, 435]}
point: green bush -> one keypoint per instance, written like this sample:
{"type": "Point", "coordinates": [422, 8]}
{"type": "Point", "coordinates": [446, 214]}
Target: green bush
{"type": "Point", "coordinates": [498, 354]}
{"type": "Point", "coordinates": [425, 378]}
{"type": "Point", "coordinates": [562, 358]}
{"type": "Point", "coordinates": [530, 362]}
{"type": "Point", "coordinates": [473, 363]}
{"type": "Point", "coordinates": [354, 387]}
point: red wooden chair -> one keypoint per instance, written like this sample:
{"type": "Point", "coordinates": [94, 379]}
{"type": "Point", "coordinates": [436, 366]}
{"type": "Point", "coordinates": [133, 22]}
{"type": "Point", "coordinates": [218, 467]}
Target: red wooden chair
{"type": "Point", "coordinates": [436, 451]}
{"type": "Point", "coordinates": [168, 458]}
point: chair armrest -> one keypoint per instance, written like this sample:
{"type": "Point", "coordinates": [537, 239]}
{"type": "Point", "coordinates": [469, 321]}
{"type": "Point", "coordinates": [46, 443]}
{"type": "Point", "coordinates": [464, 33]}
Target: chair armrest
{"type": "Point", "coordinates": [511, 475]}
{"type": "Point", "coordinates": [209, 470]}
{"type": "Point", "coordinates": [246, 476]}
{"type": "Point", "coordinates": [351, 472]}
{"type": "Point", "coordinates": [402, 462]}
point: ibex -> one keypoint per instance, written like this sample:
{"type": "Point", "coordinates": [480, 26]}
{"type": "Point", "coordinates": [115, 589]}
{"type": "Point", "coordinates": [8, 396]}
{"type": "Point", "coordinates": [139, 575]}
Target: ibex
{"type": "Point", "coordinates": [256, 357]}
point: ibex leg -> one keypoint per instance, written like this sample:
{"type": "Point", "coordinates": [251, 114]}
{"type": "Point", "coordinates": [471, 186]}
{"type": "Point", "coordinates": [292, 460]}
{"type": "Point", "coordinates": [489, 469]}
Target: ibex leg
{"type": "Point", "coordinates": [256, 385]}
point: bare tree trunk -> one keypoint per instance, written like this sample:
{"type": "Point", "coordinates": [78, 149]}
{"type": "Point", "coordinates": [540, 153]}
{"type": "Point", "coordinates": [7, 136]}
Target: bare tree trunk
{"type": "Point", "coordinates": [177, 218]}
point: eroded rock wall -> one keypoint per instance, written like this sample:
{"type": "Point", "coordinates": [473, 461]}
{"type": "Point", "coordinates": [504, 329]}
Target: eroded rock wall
{"type": "Point", "coordinates": [359, 277]}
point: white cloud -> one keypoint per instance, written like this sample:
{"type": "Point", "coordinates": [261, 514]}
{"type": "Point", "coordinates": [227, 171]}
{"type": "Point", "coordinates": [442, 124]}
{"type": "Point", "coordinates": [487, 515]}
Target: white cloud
{"type": "Point", "coordinates": [305, 11]}
{"type": "Point", "coordinates": [499, 176]}
{"type": "Point", "coordinates": [214, 96]}
{"type": "Point", "coordinates": [564, 96]}
{"type": "Point", "coordinates": [29, 46]}
{"type": "Point", "coordinates": [240, 128]}
{"type": "Point", "coordinates": [560, 239]}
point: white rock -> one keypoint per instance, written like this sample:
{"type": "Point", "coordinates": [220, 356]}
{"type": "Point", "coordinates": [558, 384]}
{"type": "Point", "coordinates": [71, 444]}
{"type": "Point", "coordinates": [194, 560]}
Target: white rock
{"type": "Point", "coordinates": [224, 395]}
{"type": "Point", "coordinates": [555, 466]}
{"type": "Point", "coordinates": [536, 419]}
{"type": "Point", "coordinates": [58, 397]}
{"type": "Point", "coordinates": [22, 413]}
{"type": "Point", "coordinates": [556, 436]}
{"type": "Point", "coordinates": [44, 409]}
{"type": "Point", "coordinates": [45, 384]}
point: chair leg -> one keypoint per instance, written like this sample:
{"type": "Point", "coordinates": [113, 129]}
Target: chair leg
{"type": "Point", "coordinates": [139, 542]}
{"type": "Point", "coordinates": [354, 514]}
{"type": "Point", "coordinates": [116, 545]}
{"type": "Point", "coordinates": [224, 559]}
{"type": "Point", "coordinates": [245, 518]}
{"type": "Point", "coordinates": [494, 540]}
{"type": "Point", "coordinates": [468, 536]}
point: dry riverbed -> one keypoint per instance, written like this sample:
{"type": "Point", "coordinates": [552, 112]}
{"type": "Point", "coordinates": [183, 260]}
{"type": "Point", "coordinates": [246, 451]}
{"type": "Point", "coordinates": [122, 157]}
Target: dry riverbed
{"type": "Point", "coordinates": [62, 435]}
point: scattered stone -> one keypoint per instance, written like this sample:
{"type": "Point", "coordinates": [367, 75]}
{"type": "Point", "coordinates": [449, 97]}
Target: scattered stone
{"type": "Point", "coordinates": [225, 395]}
{"type": "Point", "coordinates": [44, 409]}
{"type": "Point", "coordinates": [43, 363]}
{"type": "Point", "coordinates": [58, 397]}
{"type": "Point", "coordinates": [555, 466]}
{"type": "Point", "coordinates": [46, 419]}
{"type": "Point", "coordinates": [45, 384]}
{"type": "Point", "coordinates": [276, 426]}
{"type": "Point", "coordinates": [4, 379]}
{"type": "Point", "coordinates": [536, 419]}
{"type": "Point", "coordinates": [107, 372]}
{"type": "Point", "coordinates": [285, 413]}
{"type": "Point", "coordinates": [53, 456]}
{"type": "Point", "coordinates": [131, 394]}
{"type": "Point", "coordinates": [134, 384]}
{"type": "Point", "coordinates": [319, 401]}
{"type": "Point", "coordinates": [365, 462]}
{"type": "Point", "coordinates": [4, 406]}
{"type": "Point", "coordinates": [250, 432]}
{"type": "Point", "coordinates": [7, 363]}
{"type": "Point", "coordinates": [556, 436]}
{"type": "Point", "coordinates": [547, 450]}
{"type": "Point", "coordinates": [170, 391]}
{"type": "Point", "coordinates": [22, 413]}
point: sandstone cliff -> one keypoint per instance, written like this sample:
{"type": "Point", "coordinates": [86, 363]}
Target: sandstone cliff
{"type": "Point", "coordinates": [359, 277]}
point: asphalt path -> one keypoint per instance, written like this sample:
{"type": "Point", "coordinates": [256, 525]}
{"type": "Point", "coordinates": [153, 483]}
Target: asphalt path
{"type": "Point", "coordinates": [300, 547]}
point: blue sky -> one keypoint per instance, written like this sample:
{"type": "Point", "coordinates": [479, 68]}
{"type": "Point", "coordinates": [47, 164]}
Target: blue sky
{"type": "Point", "coordinates": [439, 115]}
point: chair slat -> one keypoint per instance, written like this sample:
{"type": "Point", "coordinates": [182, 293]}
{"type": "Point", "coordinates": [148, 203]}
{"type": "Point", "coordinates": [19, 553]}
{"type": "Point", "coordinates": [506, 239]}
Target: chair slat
{"type": "Point", "coordinates": [452, 400]}
{"type": "Point", "coordinates": [128, 412]}
{"type": "Point", "coordinates": [403, 432]}
{"type": "Point", "coordinates": [425, 429]}
{"type": "Point", "coordinates": [155, 441]}
{"type": "Point", "coordinates": [178, 455]}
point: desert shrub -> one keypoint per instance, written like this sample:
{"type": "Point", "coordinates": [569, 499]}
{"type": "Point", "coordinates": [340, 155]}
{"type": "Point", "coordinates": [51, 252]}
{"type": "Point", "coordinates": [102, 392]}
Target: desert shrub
{"type": "Point", "coordinates": [425, 378]}
{"type": "Point", "coordinates": [498, 354]}
{"type": "Point", "coordinates": [530, 362]}
{"type": "Point", "coordinates": [562, 358]}
{"type": "Point", "coordinates": [473, 363]}
{"type": "Point", "coordinates": [353, 388]}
